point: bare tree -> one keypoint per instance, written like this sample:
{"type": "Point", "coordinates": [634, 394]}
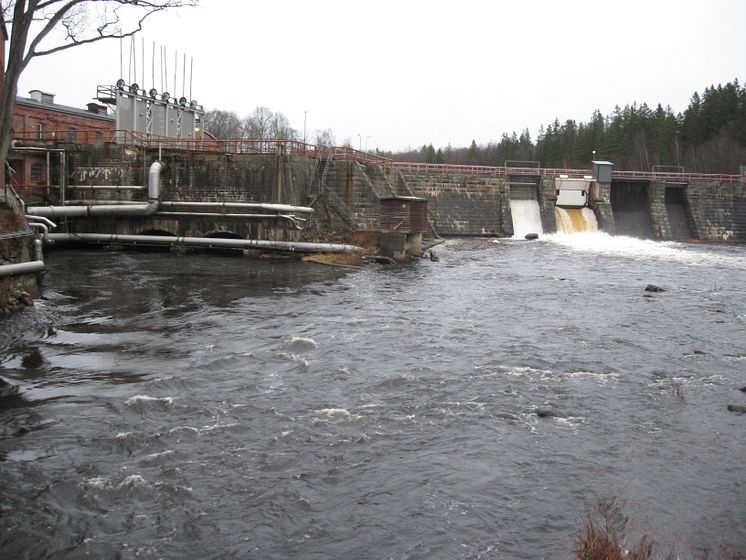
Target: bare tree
{"type": "Point", "coordinates": [280, 128]}
{"type": "Point", "coordinates": [264, 123]}
{"type": "Point", "coordinates": [223, 124]}
{"type": "Point", "coordinates": [34, 24]}
{"type": "Point", "coordinates": [258, 123]}
{"type": "Point", "coordinates": [325, 137]}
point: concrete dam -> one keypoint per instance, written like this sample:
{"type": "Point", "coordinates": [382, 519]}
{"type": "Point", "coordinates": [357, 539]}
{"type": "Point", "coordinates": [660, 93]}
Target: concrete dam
{"type": "Point", "coordinates": [284, 194]}
{"type": "Point", "coordinates": [471, 200]}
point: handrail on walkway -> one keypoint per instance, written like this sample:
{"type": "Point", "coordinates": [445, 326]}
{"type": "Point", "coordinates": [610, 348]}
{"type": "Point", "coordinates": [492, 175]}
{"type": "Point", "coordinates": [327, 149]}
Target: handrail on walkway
{"type": "Point", "coordinates": [346, 153]}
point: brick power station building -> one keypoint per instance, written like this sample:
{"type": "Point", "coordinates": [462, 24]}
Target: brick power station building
{"type": "Point", "coordinates": [39, 124]}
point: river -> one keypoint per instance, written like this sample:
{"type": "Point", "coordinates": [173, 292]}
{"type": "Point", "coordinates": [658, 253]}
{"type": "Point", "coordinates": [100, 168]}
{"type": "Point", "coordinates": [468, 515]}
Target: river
{"type": "Point", "coordinates": [203, 406]}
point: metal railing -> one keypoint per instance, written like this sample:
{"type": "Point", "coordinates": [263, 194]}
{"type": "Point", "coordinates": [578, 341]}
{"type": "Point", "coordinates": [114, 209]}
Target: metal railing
{"type": "Point", "coordinates": [554, 172]}
{"type": "Point", "coordinates": [89, 136]}
{"type": "Point", "coordinates": [10, 194]}
{"type": "Point", "coordinates": [342, 209]}
{"type": "Point", "coordinates": [344, 153]}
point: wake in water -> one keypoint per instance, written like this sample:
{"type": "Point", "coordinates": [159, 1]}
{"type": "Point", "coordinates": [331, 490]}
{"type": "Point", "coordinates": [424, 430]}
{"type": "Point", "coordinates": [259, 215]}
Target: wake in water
{"type": "Point", "coordinates": [601, 243]}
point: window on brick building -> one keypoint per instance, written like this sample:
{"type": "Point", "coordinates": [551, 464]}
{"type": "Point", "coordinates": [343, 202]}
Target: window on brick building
{"type": "Point", "coordinates": [72, 135]}
{"type": "Point", "coordinates": [41, 131]}
{"type": "Point", "coordinates": [99, 139]}
{"type": "Point", "coordinates": [37, 172]}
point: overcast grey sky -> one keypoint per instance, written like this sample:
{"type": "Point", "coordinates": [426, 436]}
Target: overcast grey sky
{"type": "Point", "coordinates": [391, 74]}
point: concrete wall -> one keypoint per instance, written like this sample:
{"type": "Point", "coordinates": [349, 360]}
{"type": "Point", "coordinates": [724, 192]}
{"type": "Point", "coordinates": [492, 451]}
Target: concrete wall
{"type": "Point", "coordinates": [458, 204]}
{"type": "Point", "coordinates": [464, 204]}
{"type": "Point", "coordinates": [193, 177]}
{"type": "Point", "coordinates": [717, 210]}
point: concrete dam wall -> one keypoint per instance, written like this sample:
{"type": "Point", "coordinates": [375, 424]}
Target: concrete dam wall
{"type": "Point", "coordinates": [348, 196]}
{"type": "Point", "coordinates": [463, 204]}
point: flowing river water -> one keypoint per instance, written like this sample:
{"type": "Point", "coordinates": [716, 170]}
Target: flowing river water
{"type": "Point", "coordinates": [203, 406]}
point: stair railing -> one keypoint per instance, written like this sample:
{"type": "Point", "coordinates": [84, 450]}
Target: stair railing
{"type": "Point", "coordinates": [335, 201]}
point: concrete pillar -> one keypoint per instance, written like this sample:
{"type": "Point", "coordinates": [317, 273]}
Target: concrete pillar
{"type": "Point", "coordinates": [600, 203]}
{"type": "Point", "coordinates": [657, 207]}
{"type": "Point", "coordinates": [547, 202]}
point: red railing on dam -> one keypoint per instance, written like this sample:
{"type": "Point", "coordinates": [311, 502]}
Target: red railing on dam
{"type": "Point", "coordinates": [498, 171]}
{"type": "Point", "coordinates": [346, 153]}
{"type": "Point", "coordinates": [250, 146]}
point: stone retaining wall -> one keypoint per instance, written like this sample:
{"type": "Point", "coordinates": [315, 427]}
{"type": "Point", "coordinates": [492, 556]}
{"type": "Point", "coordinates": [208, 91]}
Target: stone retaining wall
{"type": "Point", "coordinates": [464, 204]}
{"type": "Point", "coordinates": [718, 210]}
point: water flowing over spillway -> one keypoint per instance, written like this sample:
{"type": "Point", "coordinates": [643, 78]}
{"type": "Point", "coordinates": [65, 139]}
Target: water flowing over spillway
{"type": "Point", "coordinates": [526, 217]}
{"type": "Point", "coordinates": [201, 406]}
{"type": "Point", "coordinates": [574, 220]}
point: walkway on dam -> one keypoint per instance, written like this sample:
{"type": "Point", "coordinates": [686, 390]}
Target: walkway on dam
{"type": "Point", "coordinates": [294, 147]}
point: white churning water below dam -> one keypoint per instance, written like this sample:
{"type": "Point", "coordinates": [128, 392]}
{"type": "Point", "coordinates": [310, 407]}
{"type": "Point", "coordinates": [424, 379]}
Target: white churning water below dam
{"type": "Point", "coordinates": [526, 218]}
{"type": "Point", "coordinates": [575, 220]}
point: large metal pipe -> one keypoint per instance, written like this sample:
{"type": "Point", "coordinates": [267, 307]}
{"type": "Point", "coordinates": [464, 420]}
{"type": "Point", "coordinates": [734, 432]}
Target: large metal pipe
{"type": "Point", "coordinates": [108, 187]}
{"type": "Point", "coordinates": [252, 205]}
{"type": "Point", "coordinates": [209, 242]}
{"type": "Point", "coordinates": [173, 204]}
{"type": "Point", "coordinates": [38, 256]}
{"type": "Point", "coordinates": [43, 228]}
{"type": "Point", "coordinates": [245, 216]}
{"type": "Point", "coordinates": [140, 209]}
{"type": "Point", "coordinates": [49, 223]}
{"type": "Point", "coordinates": [21, 268]}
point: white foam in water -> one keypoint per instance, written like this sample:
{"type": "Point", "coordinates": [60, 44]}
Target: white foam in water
{"type": "Point", "coordinates": [140, 400]}
{"type": "Point", "coordinates": [132, 481]}
{"type": "Point", "coordinates": [526, 218]}
{"type": "Point", "coordinates": [333, 414]}
{"type": "Point", "coordinates": [598, 242]}
{"type": "Point", "coordinates": [301, 343]}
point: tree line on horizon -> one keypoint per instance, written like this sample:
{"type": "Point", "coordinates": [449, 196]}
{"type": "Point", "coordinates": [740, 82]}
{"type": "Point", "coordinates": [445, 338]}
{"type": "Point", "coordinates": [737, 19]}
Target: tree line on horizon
{"type": "Point", "coordinates": [709, 137]}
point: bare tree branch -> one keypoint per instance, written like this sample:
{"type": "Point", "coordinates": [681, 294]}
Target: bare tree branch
{"type": "Point", "coordinates": [32, 23]}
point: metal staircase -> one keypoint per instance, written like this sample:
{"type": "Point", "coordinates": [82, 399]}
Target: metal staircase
{"type": "Point", "coordinates": [335, 202]}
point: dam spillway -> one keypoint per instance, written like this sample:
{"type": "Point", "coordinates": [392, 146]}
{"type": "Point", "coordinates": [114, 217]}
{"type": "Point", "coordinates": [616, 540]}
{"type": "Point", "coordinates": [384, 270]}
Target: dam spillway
{"type": "Point", "coordinates": [526, 218]}
{"type": "Point", "coordinates": [575, 220]}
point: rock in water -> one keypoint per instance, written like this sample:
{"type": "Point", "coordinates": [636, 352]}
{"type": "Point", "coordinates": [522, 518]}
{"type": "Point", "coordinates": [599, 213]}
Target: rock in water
{"type": "Point", "coordinates": [654, 288]}
{"type": "Point", "coordinates": [531, 236]}
{"type": "Point", "coordinates": [545, 413]}
{"type": "Point", "coordinates": [737, 408]}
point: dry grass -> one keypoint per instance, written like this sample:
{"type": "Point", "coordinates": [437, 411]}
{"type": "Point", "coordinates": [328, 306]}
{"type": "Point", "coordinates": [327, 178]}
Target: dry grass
{"type": "Point", "coordinates": [603, 535]}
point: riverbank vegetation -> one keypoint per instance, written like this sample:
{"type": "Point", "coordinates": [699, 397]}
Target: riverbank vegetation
{"type": "Point", "coordinates": [604, 534]}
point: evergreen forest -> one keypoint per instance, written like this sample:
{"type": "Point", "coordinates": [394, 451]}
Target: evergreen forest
{"type": "Point", "coordinates": [708, 137]}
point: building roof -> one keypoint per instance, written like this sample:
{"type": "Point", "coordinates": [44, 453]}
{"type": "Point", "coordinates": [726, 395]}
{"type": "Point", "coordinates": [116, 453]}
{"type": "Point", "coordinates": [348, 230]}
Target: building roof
{"type": "Point", "coordinates": [25, 101]}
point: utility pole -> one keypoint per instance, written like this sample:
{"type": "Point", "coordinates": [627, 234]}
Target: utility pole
{"type": "Point", "coordinates": [305, 116]}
